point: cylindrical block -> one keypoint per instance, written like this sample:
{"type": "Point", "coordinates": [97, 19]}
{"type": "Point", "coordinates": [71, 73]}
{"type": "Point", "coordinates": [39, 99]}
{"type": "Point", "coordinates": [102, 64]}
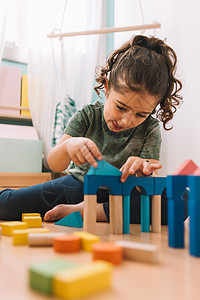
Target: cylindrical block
{"type": "Point", "coordinates": [107, 251]}
{"type": "Point", "coordinates": [66, 243]}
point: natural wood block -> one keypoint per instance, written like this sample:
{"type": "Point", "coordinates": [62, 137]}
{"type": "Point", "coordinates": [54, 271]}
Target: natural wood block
{"type": "Point", "coordinates": [116, 214]}
{"type": "Point", "coordinates": [139, 251]}
{"type": "Point", "coordinates": [43, 239]}
{"type": "Point", "coordinates": [156, 213]}
{"type": "Point", "coordinates": [89, 214]}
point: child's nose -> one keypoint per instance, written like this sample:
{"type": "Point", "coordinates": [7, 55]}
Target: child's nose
{"type": "Point", "coordinates": [126, 122]}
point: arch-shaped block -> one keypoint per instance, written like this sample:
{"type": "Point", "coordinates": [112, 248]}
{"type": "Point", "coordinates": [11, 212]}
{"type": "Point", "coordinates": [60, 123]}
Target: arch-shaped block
{"type": "Point", "coordinates": [146, 184]}
{"type": "Point", "coordinates": [160, 183]}
{"type": "Point", "coordinates": [93, 182]}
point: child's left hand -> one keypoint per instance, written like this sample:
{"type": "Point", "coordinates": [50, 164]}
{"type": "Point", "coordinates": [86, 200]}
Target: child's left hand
{"type": "Point", "coordinates": [139, 166]}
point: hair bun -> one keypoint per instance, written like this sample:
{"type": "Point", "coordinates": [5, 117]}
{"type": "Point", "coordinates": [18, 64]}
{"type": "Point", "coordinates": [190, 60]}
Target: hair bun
{"type": "Point", "coordinates": [149, 43]}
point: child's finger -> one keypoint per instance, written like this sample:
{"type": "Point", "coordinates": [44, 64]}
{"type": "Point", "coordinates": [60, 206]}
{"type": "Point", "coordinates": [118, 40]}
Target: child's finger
{"type": "Point", "coordinates": [94, 150]}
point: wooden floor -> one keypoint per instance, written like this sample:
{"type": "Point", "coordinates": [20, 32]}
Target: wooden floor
{"type": "Point", "coordinates": [176, 276]}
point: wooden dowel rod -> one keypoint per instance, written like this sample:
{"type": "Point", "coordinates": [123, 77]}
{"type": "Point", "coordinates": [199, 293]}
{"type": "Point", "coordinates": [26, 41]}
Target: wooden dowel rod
{"type": "Point", "coordinates": [105, 30]}
{"type": "Point", "coordinates": [14, 107]}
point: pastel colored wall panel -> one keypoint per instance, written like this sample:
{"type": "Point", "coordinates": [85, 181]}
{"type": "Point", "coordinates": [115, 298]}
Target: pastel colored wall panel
{"type": "Point", "coordinates": [10, 89]}
{"type": "Point", "coordinates": [17, 155]}
{"type": "Point", "coordinates": [18, 132]}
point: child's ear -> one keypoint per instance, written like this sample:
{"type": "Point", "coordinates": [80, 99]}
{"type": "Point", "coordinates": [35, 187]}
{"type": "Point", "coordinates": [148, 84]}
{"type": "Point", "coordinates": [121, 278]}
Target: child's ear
{"type": "Point", "coordinates": [106, 86]}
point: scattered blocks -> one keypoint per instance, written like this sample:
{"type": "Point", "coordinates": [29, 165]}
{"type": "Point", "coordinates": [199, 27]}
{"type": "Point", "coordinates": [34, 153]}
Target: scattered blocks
{"type": "Point", "coordinates": [87, 240]}
{"type": "Point", "coordinates": [107, 251]}
{"type": "Point", "coordinates": [139, 251]}
{"type": "Point", "coordinates": [67, 243]}
{"type": "Point", "coordinates": [8, 227]}
{"type": "Point", "coordinates": [73, 220]}
{"type": "Point", "coordinates": [43, 239]}
{"type": "Point", "coordinates": [20, 236]}
{"type": "Point", "coordinates": [33, 221]}
{"type": "Point", "coordinates": [82, 280]}
{"type": "Point", "coordinates": [41, 274]}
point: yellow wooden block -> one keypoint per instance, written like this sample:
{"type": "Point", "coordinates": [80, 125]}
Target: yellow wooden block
{"type": "Point", "coordinates": [87, 240]}
{"type": "Point", "coordinates": [82, 280]}
{"type": "Point", "coordinates": [8, 227]}
{"type": "Point", "coordinates": [20, 236]}
{"type": "Point", "coordinates": [33, 221]}
{"type": "Point", "coordinates": [24, 95]}
{"type": "Point", "coordinates": [30, 215]}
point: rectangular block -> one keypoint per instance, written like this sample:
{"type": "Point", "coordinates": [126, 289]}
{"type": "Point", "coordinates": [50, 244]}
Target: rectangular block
{"type": "Point", "coordinates": [139, 251]}
{"type": "Point", "coordinates": [30, 215]}
{"type": "Point", "coordinates": [10, 89]}
{"type": "Point", "coordinates": [33, 221]}
{"type": "Point", "coordinates": [8, 227]}
{"type": "Point", "coordinates": [82, 280]}
{"type": "Point", "coordinates": [41, 274]}
{"type": "Point", "coordinates": [43, 239]}
{"type": "Point", "coordinates": [20, 236]}
{"type": "Point", "coordinates": [18, 155]}
{"type": "Point", "coordinates": [87, 240]}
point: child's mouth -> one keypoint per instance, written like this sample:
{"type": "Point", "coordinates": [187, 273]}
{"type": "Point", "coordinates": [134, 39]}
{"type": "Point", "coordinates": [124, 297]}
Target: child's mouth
{"type": "Point", "coordinates": [116, 126]}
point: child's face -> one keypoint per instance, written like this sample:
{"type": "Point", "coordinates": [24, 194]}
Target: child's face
{"type": "Point", "coordinates": [128, 110]}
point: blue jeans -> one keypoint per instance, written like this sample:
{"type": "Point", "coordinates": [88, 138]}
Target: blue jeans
{"type": "Point", "coordinates": [64, 190]}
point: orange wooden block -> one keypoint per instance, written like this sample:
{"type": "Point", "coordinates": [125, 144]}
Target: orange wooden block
{"type": "Point", "coordinates": [107, 251]}
{"type": "Point", "coordinates": [67, 243]}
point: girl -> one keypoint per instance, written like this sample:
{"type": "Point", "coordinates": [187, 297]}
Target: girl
{"type": "Point", "coordinates": [138, 81]}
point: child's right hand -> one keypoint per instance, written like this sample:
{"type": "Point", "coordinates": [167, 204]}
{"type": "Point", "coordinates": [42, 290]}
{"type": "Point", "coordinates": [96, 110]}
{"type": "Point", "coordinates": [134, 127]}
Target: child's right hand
{"type": "Point", "coordinates": [82, 150]}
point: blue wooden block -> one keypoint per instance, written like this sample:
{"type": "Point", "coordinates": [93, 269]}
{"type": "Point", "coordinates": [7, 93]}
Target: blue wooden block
{"type": "Point", "coordinates": [176, 185]}
{"type": "Point", "coordinates": [160, 183]}
{"type": "Point", "coordinates": [126, 214]}
{"type": "Point", "coordinates": [72, 220]}
{"type": "Point", "coordinates": [93, 182]}
{"type": "Point", "coordinates": [194, 213]}
{"type": "Point", "coordinates": [145, 213]}
{"type": "Point", "coordinates": [146, 184]}
{"type": "Point", "coordinates": [104, 168]}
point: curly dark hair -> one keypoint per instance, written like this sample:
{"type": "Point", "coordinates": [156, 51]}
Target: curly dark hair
{"type": "Point", "coordinates": [144, 64]}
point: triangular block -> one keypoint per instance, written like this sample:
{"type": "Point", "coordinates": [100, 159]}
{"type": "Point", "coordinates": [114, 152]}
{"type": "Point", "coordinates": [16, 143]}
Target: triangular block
{"type": "Point", "coordinates": [188, 167]}
{"type": "Point", "coordinates": [104, 168]}
{"type": "Point", "coordinates": [197, 172]}
{"type": "Point", "coordinates": [72, 220]}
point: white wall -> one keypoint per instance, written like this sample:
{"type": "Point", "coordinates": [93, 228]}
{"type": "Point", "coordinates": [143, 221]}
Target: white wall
{"type": "Point", "coordinates": [180, 24]}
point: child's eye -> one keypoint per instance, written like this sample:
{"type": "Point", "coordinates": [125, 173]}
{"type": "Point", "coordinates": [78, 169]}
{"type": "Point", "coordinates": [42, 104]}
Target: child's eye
{"type": "Point", "coordinates": [141, 115]}
{"type": "Point", "coordinates": [120, 107]}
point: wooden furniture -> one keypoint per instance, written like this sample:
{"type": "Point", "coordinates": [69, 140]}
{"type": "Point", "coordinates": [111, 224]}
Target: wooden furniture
{"type": "Point", "coordinates": [19, 180]}
{"type": "Point", "coordinates": [174, 277]}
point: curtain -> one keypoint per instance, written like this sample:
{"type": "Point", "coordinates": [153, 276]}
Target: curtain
{"type": "Point", "coordinates": [60, 67]}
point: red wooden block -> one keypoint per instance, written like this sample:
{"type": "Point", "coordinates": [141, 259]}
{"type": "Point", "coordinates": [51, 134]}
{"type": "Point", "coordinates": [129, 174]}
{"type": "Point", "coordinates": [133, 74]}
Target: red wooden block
{"type": "Point", "coordinates": [188, 167]}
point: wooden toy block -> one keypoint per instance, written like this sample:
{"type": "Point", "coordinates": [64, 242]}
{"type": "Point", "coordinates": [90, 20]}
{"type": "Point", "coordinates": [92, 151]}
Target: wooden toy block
{"type": "Point", "coordinates": [30, 215]}
{"type": "Point", "coordinates": [67, 243]}
{"type": "Point", "coordinates": [20, 236]}
{"type": "Point", "coordinates": [107, 251]}
{"type": "Point", "coordinates": [33, 221]}
{"type": "Point", "coordinates": [43, 239]}
{"type": "Point", "coordinates": [145, 213]}
{"type": "Point", "coordinates": [87, 240]}
{"type": "Point", "coordinates": [188, 167]}
{"type": "Point", "coordinates": [104, 168]}
{"type": "Point", "coordinates": [156, 213]}
{"type": "Point", "coordinates": [83, 280]}
{"type": "Point", "coordinates": [73, 220]}
{"type": "Point", "coordinates": [116, 214]}
{"type": "Point", "coordinates": [8, 227]}
{"type": "Point", "coordinates": [89, 213]}
{"type": "Point", "coordinates": [41, 274]}
{"type": "Point", "coordinates": [139, 252]}
{"type": "Point", "coordinates": [197, 172]}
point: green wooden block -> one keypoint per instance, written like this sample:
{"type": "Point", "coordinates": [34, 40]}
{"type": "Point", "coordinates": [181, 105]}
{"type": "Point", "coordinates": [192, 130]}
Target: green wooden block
{"type": "Point", "coordinates": [18, 155]}
{"type": "Point", "coordinates": [41, 274]}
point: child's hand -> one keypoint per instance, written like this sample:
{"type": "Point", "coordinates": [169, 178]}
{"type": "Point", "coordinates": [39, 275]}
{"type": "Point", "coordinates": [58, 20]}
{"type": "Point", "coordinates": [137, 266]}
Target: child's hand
{"type": "Point", "coordinates": [138, 166]}
{"type": "Point", "coordinates": [82, 150]}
